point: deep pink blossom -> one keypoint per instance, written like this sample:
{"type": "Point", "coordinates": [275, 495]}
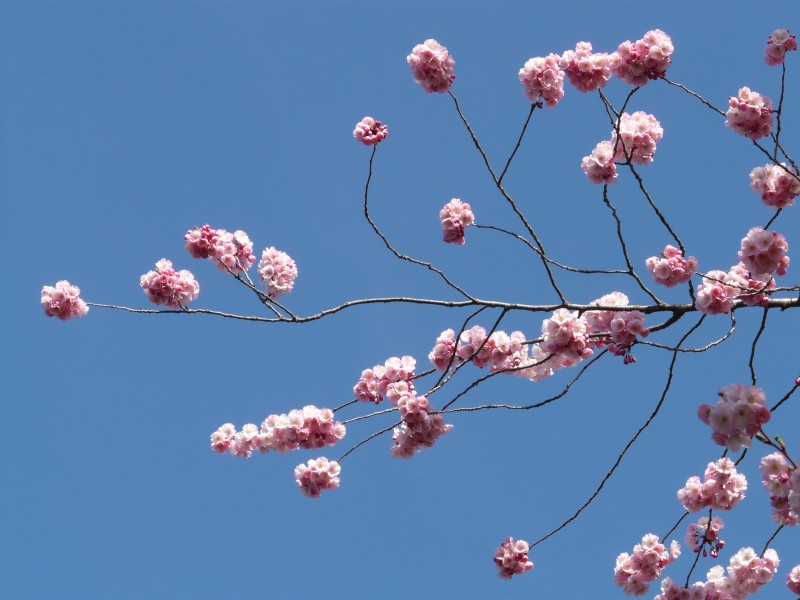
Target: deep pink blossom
{"type": "Point", "coordinates": [722, 489]}
{"type": "Point", "coordinates": [369, 132]}
{"type": "Point", "coordinates": [455, 216]}
{"type": "Point", "coordinates": [599, 165]}
{"type": "Point", "coordinates": [738, 415]}
{"type": "Point", "coordinates": [166, 286]}
{"type": "Point", "coordinates": [703, 536]}
{"type": "Point", "coordinates": [672, 269]}
{"type": "Point", "coordinates": [200, 241]}
{"type": "Point", "coordinates": [63, 301]}
{"type": "Point", "coordinates": [587, 71]}
{"type": "Point", "coordinates": [511, 558]}
{"type": "Point", "coordinates": [232, 251]}
{"type": "Point", "coordinates": [764, 252]}
{"type": "Point", "coordinates": [543, 79]}
{"type": "Point", "coordinates": [648, 58]}
{"type": "Point", "coordinates": [634, 572]}
{"type": "Point", "coordinates": [638, 135]}
{"type": "Point", "coordinates": [779, 43]}
{"type": "Point", "coordinates": [317, 476]}
{"type": "Point", "coordinates": [432, 66]}
{"type": "Point", "coordinates": [277, 271]}
{"type": "Point", "coordinates": [750, 114]}
{"type": "Point", "coordinates": [777, 185]}
{"type": "Point", "coordinates": [421, 426]}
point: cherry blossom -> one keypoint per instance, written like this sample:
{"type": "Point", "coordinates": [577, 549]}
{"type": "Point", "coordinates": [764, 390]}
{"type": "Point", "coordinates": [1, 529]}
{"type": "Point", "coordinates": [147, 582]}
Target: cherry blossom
{"type": "Point", "coordinates": [722, 489]}
{"type": "Point", "coordinates": [63, 301]}
{"type": "Point", "coordinates": [703, 534]}
{"type": "Point", "coordinates": [673, 591]}
{"type": "Point", "coordinates": [672, 269]}
{"type": "Point", "coordinates": [317, 476]}
{"type": "Point", "coordinates": [587, 71]}
{"type": "Point", "coordinates": [455, 216]}
{"type": "Point", "coordinates": [432, 66]}
{"type": "Point", "coordinates": [777, 185]}
{"type": "Point", "coordinates": [543, 79]}
{"type": "Point", "coordinates": [779, 43]}
{"type": "Point", "coordinates": [638, 135]}
{"type": "Point", "coordinates": [747, 571]}
{"type": "Point", "coordinates": [782, 483]}
{"type": "Point", "coordinates": [511, 558]}
{"type": "Point", "coordinates": [166, 286]}
{"type": "Point", "coordinates": [200, 241]}
{"type": "Point", "coordinates": [232, 251]}
{"type": "Point", "coordinates": [599, 165]}
{"type": "Point", "coordinates": [564, 335]}
{"type": "Point", "coordinates": [738, 415]}
{"type": "Point", "coordinates": [277, 271]}
{"type": "Point", "coordinates": [648, 58]}
{"type": "Point", "coordinates": [442, 354]}
{"type": "Point", "coordinates": [750, 114]}
{"type": "Point", "coordinates": [764, 252]}
{"type": "Point", "coordinates": [634, 572]}
{"type": "Point", "coordinates": [391, 380]}
{"type": "Point", "coordinates": [369, 132]}
{"type": "Point", "coordinates": [793, 580]}
{"type": "Point", "coordinates": [420, 427]}
{"type": "Point", "coordinates": [752, 291]}
{"type": "Point", "coordinates": [714, 296]}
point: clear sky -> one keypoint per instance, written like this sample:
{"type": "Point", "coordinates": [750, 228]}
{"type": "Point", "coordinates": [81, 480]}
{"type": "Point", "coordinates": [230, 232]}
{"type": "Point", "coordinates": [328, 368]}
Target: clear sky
{"type": "Point", "coordinates": [123, 124]}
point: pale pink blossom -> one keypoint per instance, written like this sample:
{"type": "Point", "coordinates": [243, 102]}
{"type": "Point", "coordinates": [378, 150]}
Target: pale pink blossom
{"type": "Point", "coordinates": [511, 558]}
{"type": "Point", "coordinates": [703, 536]}
{"type": "Point", "coordinates": [672, 268]}
{"type": "Point", "coordinates": [738, 415]}
{"type": "Point", "coordinates": [469, 344]}
{"type": "Point", "coordinates": [277, 271]}
{"type": "Point", "coordinates": [564, 335]}
{"type": "Point", "coordinates": [543, 79]}
{"type": "Point", "coordinates": [63, 301]}
{"type": "Point", "coordinates": [232, 251]}
{"type": "Point", "coordinates": [722, 489]}
{"type": "Point", "coordinates": [648, 58]}
{"type": "Point", "coordinates": [316, 476]}
{"type": "Point", "coordinates": [714, 296]}
{"type": "Point", "coordinates": [455, 216]}
{"type": "Point", "coordinates": [369, 132]}
{"type": "Point", "coordinates": [634, 572]}
{"type": "Point", "coordinates": [200, 241]}
{"type": "Point", "coordinates": [747, 571]}
{"type": "Point", "coordinates": [777, 479]}
{"type": "Point", "coordinates": [537, 365]}
{"type": "Point", "coordinates": [638, 135]}
{"type": "Point", "coordinates": [421, 426]}
{"type": "Point", "coordinates": [442, 354]}
{"type": "Point", "coordinates": [793, 580]}
{"type": "Point", "coordinates": [777, 185]}
{"type": "Point", "coordinates": [390, 380]}
{"type": "Point", "coordinates": [222, 437]}
{"type": "Point", "coordinates": [599, 165]}
{"type": "Point", "coordinates": [432, 66]}
{"type": "Point", "coordinates": [587, 71]}
{"type": "Point", "coordinates": [166, 286]}
{"type": "Point", "coordinates": [671, 590]}
{"type": "Point", "coordinates": [750, 114]}
{"type": "Point", "coordinates": [764, 252]}
{"type": "Point", "coordinates": [779, 43]}
{"type": "Point", "coordinates": [751, 290]}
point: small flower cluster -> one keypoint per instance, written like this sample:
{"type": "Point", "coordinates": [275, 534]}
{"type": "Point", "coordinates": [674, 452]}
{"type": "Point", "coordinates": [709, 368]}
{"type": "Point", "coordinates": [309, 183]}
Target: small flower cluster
{"type": "Point", "coordinates": [793, 580]}
{"type": "Point", "coordinates": [441, 356]}
{"type": "Point", "coordinates": [722, 489]}
{"type": "Point", "coordinates": [638, 135]}
{"type": "Point", "coordinates": [543, 79]}
{"type": "Point", "coordinates": [779, 43]}
{"type": "Point", "coordinates": [369, 132]}
{"type": "Point", "coordinates": [511, 558]}
{"type": "Point", "coordinates": [750, 114]}
{"type": "Point", "coordinates": [671, 590]}
{"type": "Point", "coordinates": [455, 216]}
{"type": "Point", "coordinates": [648, 58]}
{"type": "Point", "coordinates": [318, 475]}
{"type": "Point", "coordinates": [277, 271]}
{"type": "Point", "coordinates": [719, 289]}
{"type": "Point", "coordinates": [617, 329]}
{"type": "Point", "coordinates": [777, 187]}
{"type": "Point", "coordinates": [166, 286]}
{"type": "Point", "coordinates": [634, 572]}
{"type": "Point", "coordinates": [420, 427]}
{"type": "Point", "coordinates": [432, 66]}
{"type": "Point", "coordinates": [599, 165]}
{"type": "Point", "coordinates": [63, 301]}
{"type": "Point", "coordinates": [565, 336]}
{"type": "Point", "coordinates": [672, 269]}
{"type": "Point", "coordinates": [764, 252]}
{"type": "Point", "coordinates": [309, 427]}
{"type": "Point", "coordinates": [586, 71]}
{"type": "Point", "coordinates": [705, 534]}
{"type": "Point", "coordinates": [738, 415]}
{"type": "Point", "coordinates": [783, 484]}
{"type": "Point", "coordinates": [228, 251]}
{"type": "Point", "coordinates": [391, 380]}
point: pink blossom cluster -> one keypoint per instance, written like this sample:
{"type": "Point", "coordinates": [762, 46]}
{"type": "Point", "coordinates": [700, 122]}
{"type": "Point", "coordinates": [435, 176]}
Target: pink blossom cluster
{"type": "Point", "coordinates": [672, 268]}
{"type": "Point", "coordinates": [309, 427]}
{"type": "Point", "coordinates": [511, 558]}
{"type": "Point", "coordinates": [543, 79]}
{"type": "Point", "coordinates": [722, 489]}
{"type": "Point", "coordinates": [638, 135]}
{"type": "Point", "coordinates": [391, 380]}
{"type": "Point", "coordinates": [565, 336]}
{"type": "Point", "coordinates": [455, 216]}
{"type": "Point", "coordinates": [705, 534]}
{"type": "Point", "coordinates": [777, 186]}
{"type": "Point", "coordinates": [369, 132]}
{"type": "Point", "coordinates": [587, 71]}
{"type": "Point", "coordinates": [779, 43]}
{"type": "Point", "coordinates": [441, 356]}
{"type": "Point", "coordinates": [277, 271]}
{"type": "Point", "coordinates": [318, 475]}
{"type": "Point", "coordinates": [782, 481]}
{"type": "Point", "coordinates": [634, 572]}
{"type": "Point", "coordinates": [599, 165]}
{"type": "Point", "coordinates": [617, 329]}
{"type": "Point", "coordinates": [421, 427]}
{"type": "Point", "coordinates": [648, 58]}
{"type": "Point", "coordinates": [719, 289]}
{"type": "Point", "coordinates": [738, 415]}
{"type": "Point", "coordinates": [671, 590]}
{"type": "Point", "coordinates": [432, 66]}
{"type": "Point", "coordinates": [166, 286]}
{"type": "Point", "coordinates": [764, 252]}
{"type": "Point", "coordinates": [793, 580]}
{"type": "Point", "coordinates": [228, 251]}
{"type": "Point", "coordinates": [63, 301]}
{"type": "Point", "coordinates": [750, 114]}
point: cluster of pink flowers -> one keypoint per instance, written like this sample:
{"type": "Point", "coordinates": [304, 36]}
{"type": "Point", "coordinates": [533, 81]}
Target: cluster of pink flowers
{"type": "Point", "coordinates": [565, 336]}
{"type": "Point", "coordinates": [318, 475]}
{"type": "Point", "coordinates": [391, 380]}
{"type": "Point", "coordinates": [634, 572]}
{"type": "Point", "coordinates": [672, 269]}
{"type": "Point", "coordinates": [587, 71]}
{"type": "Point", "coordinates": [420, 427]}
{"type": "Point", "coordinates": [793, 580]}
{"type": "Point", "coordinates": [722, 489]}
{"type": "Point", "coordinates": [63, 301]}
{"type": "Point", "coordinates": [599, 165]}
{"type": "Point", "coordinates": [511, 558]}
{"type": "Point", "coordinates": [307, 428]}
{"type": "Point", "coordinates": [277, 271]}
{"type": "Point", "coordinates": [455, 216]}
{"type": "Point", "coordinates": [228, 251]}
{"type": "Point", "coordinates": [369, 132]}
{"type": "Point", "coordinates": [543, 79]}
{"type": "Point", "coordinates": [738, 415]}
{"type": "Point", "coordinates": [617, 329]}
{"type": "Point", "coordinates": [674, 591]}
{"type": "Point", "coordinates": [777, 187]}
{"type": "Point", "coordinates": [764, 252]}
{"type": "Point", "coordinates": [719, 289]}
{"type": "Point", "coordinates": [750, 114]}
{"type": "Point", "coordinates": [441, 356]}
{"type": "Point", "coordinates": [705, 534]}
{"type": "Point", "coordinates": [638, 135]}
{"type": "Point", "coordinates": [432, 66]}
{"type": "Point", "coordinates": [782, 481]}
{"type": "Point", "coordinates": [169, 287]}
{"type": "Point", "coordinates": [648, 58]}
{"type": "Point", "coordinates": [779, 43]}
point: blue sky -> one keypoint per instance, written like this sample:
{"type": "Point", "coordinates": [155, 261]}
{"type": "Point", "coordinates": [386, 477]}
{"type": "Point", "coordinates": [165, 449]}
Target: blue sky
{"type": "Point", "coordinates": [124, 124]}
